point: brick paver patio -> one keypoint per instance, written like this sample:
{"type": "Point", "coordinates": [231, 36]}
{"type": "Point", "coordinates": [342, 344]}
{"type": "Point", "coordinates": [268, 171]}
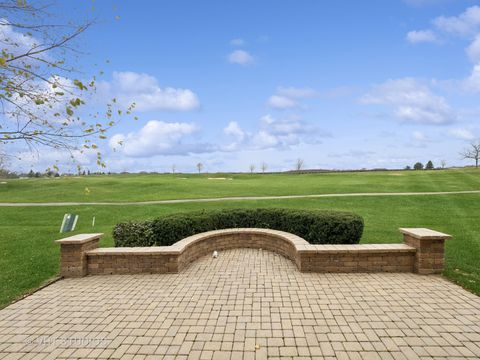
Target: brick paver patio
{"type": "Point", "coordinates": [245, 304]}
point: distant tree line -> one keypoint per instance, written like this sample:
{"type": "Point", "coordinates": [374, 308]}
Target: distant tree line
{"type": "Point", "coordinates": [472, 152]}
{"type": "Point", "coordinates": [419, 166]}
{"type": "Point", "coordinates": [7, 174]}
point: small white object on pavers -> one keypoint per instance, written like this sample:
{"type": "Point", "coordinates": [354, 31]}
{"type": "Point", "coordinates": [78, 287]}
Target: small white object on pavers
{"type": "Point", "coordinates": [215, 254]}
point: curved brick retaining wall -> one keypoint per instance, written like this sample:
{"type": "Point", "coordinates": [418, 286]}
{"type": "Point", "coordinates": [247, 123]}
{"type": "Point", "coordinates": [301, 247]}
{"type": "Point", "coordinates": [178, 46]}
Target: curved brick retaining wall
{"type": "Point", "coordinates": [422, 252]}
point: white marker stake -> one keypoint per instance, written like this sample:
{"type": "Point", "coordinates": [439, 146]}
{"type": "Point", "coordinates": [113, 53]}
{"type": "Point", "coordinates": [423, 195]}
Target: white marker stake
{"type": "Point", "coordinates": [93, 221]}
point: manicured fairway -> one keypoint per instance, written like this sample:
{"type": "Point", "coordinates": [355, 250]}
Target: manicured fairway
{"type": "Point", "coordinates": [180, 186]}
{"type": "Point", "coordinates": [28, 255]}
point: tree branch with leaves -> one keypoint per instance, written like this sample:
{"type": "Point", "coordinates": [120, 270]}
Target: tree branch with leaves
{"type": "Point", "coordinates": [42, 97]}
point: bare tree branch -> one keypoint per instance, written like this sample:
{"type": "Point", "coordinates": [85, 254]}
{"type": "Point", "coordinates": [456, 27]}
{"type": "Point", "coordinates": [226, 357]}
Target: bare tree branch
{"type": "Point", "coordinates": [299, 164]}
{"type": "Point", "coordinates": [32, 52]}
{"type": "Point", "coordinates": [472, 152]}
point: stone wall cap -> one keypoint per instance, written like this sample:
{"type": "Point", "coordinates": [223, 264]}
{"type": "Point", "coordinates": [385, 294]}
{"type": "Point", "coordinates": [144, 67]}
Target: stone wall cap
{"type": "Point", "coordinates": [79, 238]}
{"type": "Point", "coordinates": [425, 234]}
{"type": "Point", "coordinates": [356, 248]}
{"type": "Point", "coordinates": [147, 250]}
{"type": "Point", "coordinates": [181, 245]}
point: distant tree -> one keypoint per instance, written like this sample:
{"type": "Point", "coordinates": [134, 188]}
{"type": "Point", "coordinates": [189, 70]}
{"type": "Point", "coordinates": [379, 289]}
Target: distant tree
{"type": "Point", "coordinates": [3, 160]}
{"type": "Point", "coordinates": [4, 173]}
{"type": "Point", "coordinates": [88, 172]}
{"type": "Point", "coordinates": [429, 165]}
{"type": "Point", "coordinates": [3, 170]}
{"type": "Point", "coordinates": [31, 174]}
{"type": "Point", "coordinates": [472, 152]}
{"type": "Point", "coordinates": [37, 174]}
{"type": "Point", "coordinates": [174, 168]}
{"type": "Point", "coordinates": [264, 167]}
{"type": "Point", "coordinates": [199, 167]}
{"type": "Point", "coordinates": [49, 173]}
{"type": "Point", "coordinates": [418, 166]}
{"type": "Point", "coordinates": [408, 167]}
{"type": "Point", "coordinates": [299, 164]}
{"type": "Point", "coordinates": [443, 163]}
{"type": "Point", "coordinates": [252, 168]}
{"type": "Point", "coordinates": [83, 173]}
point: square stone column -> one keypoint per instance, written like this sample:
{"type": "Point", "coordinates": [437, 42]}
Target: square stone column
{"type": "Point", "coordinates": [430, 245]}
{"type": "Point", "coordinates": [73, 261]}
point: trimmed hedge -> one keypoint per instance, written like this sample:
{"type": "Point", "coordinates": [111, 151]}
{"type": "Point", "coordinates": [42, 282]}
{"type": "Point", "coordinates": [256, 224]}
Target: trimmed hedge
{"type": "Point", "coordinates": [315, 226]}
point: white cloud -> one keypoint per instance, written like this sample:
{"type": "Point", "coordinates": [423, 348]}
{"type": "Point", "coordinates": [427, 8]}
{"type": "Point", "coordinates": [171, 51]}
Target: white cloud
{"type": "Point", "coordinates": [285, 126]}
{"type": "Point", "coordinates": [143, 89]}
{"type": "Point", "coordinates": [233, 129]}
{"type": "Point", "coordinates": [264, 140]}
{"type": "Point", "coordinates": [462, 134]}
{"type": "Point", "coordinates": [237, 42]}
{"type": "Point", "coordinates": [266, 120]}
{"type": "Point", "coordinates": [467, 23]}
{"type": "Point", "coordinates": [286, 97]}
{"type": "Point", "coordinates": [240, 57]}
{"type": "Point", "coordinates": [419, 136]}
{"type": "Point", "coordinates": [296, 93]}
{"type": "Point", "coordinates": [52, 112]}
{"type": "Point", "coordinates": [473, 51]}
{"type": "Point", "coordinates": [412, 102]}
{"type": "Point", "coordinates": [421, 36]}
{"type": "Point", "coordinates": [156, 138]}
{"type": "Point", "coordinates": [281, 102]}
{"type": "Point", "coordinates": [273, 134]}
{"type": "Point", "coordinates": [472, 83]}
{"type": "Point", "coordinates": [15, 42]}
{"type": "Point", "coordinates": [40, 161]}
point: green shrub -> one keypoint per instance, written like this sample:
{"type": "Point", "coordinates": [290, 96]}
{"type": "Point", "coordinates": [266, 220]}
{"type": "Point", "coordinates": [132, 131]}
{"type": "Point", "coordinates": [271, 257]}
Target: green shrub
{"type": "Point", "coordinates": [134, 234]}
{"type": "Point", "coordinates": [315, 226]}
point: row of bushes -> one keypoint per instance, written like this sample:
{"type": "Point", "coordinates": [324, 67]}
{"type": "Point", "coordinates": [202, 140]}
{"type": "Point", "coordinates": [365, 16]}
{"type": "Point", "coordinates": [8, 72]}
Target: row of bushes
{"type": "Point", "coordinates": [315, 226]}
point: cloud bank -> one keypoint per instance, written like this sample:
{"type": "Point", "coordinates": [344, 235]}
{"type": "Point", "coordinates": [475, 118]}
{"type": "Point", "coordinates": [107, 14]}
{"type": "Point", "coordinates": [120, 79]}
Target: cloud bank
{"type": "Point", "coordinates": [143, 90]}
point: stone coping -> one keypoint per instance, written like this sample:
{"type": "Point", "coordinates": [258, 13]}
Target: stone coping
{"type": "Point", "coordinates": [356, 248]}
{"type": "Point", "coordinates": [79, 238]}
{"type": "Point", "coordinates": [188, 241]}
{"type": "Point", "coordinates": [147, 250]}
{"type": "Point", "coordinates": [180, 246]}
{"type": "Point", "coordinates": [300, 244]}
{"type": "Point", "coordinates": [425, 234]}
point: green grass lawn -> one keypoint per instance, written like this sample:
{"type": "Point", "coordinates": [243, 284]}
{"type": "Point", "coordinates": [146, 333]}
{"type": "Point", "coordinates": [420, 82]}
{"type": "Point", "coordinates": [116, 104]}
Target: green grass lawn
{"type": "Point", "coordinates": [28, 255]}
{"type": "Point", "coordinates": [161, 187]}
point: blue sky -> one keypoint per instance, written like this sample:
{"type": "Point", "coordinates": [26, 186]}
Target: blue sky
{"type": "Point", "coordinates": [344, 84]}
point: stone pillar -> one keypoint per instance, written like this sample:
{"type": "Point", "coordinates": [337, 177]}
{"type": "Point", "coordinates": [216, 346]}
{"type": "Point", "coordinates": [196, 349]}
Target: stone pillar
{"type": "Point", "coordinates": [430, 245]}
{"type": "Point", "coordinates": [73, 261]}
